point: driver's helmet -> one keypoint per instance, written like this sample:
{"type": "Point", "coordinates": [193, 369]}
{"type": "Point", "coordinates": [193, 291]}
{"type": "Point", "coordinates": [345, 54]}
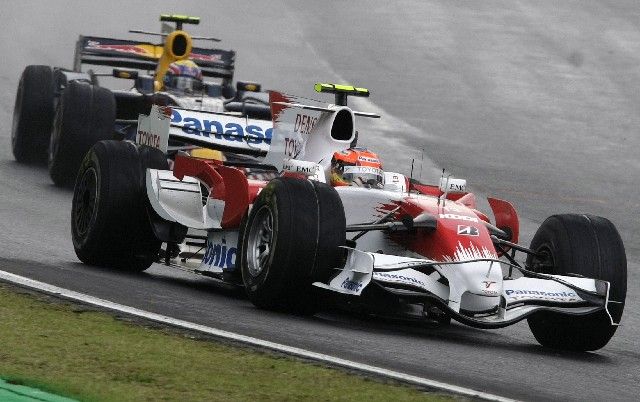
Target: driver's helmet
{"type": "Point", "coordinates": [183, 76]}
{"type": "Point", "coordinates": [356, 167]}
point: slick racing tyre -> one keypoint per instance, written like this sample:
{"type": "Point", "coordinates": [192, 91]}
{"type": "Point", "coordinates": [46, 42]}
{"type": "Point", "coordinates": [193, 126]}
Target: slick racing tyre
{"type": "Point", "coordinates": [291, 239]}
{"type": "Point", "coordinates": [33, 115]}
{"type": "Point", "coordinates": [85, 115]}
{"type": "Point", "coordinates": [586, 245]}
{"type": "Point", "coordinates": [110, 223]}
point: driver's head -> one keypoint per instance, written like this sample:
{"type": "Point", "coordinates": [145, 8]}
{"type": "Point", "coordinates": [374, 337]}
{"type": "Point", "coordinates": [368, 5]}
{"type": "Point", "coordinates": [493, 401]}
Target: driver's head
{"type": "Point", "coordinates": [183, 76]}
{"type": "Point", "coordinates": [356, 167]}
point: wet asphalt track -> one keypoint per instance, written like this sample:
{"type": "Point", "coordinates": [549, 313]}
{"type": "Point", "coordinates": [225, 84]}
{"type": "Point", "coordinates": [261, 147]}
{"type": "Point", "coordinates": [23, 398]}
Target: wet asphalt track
{"type": "Point", "coordinates": [534, 102]}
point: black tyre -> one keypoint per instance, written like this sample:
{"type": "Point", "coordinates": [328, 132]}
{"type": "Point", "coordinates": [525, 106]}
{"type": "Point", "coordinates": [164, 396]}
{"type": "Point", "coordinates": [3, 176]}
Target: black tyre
{"type": "Point", "coordinates": [589, 246]}
{"type": "Point", "coordinates": [85, 115]}
{"type": "Point", "coordinates": [33, 115]}
{"type": "Point", "coordinates": [291, 239]}
{"type": "Point", "coordinates": [110, 224]}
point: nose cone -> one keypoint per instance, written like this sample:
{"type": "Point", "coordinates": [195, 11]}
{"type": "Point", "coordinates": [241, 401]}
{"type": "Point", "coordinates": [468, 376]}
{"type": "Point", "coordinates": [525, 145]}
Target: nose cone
{"type": "Point", "coordinates": [460, 235]}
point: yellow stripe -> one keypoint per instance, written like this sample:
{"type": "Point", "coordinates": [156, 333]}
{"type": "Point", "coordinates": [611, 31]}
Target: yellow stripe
{"type": "Point", "coordinates": [343, 87]}
{"type": "Point", "coordinates": [180, 17]}
{"type": "Point", "coordinates": [322, 87]}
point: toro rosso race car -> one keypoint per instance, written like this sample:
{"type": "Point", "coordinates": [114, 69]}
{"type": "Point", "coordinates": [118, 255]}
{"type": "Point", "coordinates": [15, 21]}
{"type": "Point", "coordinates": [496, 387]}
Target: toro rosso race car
{"type": "Point", "coordinates": [60, 113]}
{"type": "Point", "coordinates": [333, 224]}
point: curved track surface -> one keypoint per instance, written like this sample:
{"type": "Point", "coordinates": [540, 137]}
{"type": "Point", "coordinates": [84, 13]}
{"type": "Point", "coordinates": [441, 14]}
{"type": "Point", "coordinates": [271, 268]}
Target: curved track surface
{"type": "Point", "coordinates": [535, 103]}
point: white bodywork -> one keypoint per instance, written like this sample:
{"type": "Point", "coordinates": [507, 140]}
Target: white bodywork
{"type": "Point", "coordinates": [181, 200]}
{"type": "Point", "coordinates": [474, 286]}
{"type": "Point", "coordinates": [470, 282]}
{"type": "Point", "coordinates": [221, 252]}
{"type": "Point", "coordinates": [221, 130]}
{"type": "Point", "coordinates": [200, 103]}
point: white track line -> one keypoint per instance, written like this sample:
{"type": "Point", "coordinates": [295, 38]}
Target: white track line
{"type": "Point", "coordinates": [365, 368]}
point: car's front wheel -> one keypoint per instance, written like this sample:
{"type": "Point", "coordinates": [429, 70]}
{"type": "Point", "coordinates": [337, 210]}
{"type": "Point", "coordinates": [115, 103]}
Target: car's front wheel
{"type": "Point", "coordinates": [584, 245]}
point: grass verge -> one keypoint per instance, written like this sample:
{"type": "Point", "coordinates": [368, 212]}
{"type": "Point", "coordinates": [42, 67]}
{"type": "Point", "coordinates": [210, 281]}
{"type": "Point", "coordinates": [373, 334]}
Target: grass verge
{"type": "Point", "coordinates": [92, 356]}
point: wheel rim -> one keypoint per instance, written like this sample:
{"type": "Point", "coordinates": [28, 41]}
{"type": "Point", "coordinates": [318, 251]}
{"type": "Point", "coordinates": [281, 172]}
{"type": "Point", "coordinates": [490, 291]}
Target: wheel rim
{"type": "Point", "coordinates": [85, 201]}
{"type": "Point", "coordinates": [260, 242]}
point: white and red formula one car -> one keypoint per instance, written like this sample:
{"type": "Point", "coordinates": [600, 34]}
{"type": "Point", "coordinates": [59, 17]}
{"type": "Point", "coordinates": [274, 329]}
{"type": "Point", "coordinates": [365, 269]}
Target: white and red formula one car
{"type": "Point", "coordinates": [388, 245]}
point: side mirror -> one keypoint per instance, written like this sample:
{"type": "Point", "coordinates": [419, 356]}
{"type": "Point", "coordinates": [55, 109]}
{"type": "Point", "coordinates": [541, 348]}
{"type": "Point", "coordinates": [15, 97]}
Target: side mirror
{"type": "Point", "coordinates": [213, 90]}
{"type": "Point", "coordinates": [451, 185]}
{"type": "Point", "coordinates": [424, 221]}
{"type": "Point", "coordinates": [395, 182]}
{"type": "Point", "coordinates": [248, 86]}
{"type": "Point", "coordinates": [129, 74]}
{"type": "Point", "coordinates": [144, 84]}
{"type": "Point", "coordinates": [228, 92]}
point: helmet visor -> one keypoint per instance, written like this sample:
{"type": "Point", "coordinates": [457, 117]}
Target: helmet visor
{"type": "Point", "coordinates": [184, 84]}
{"type": "Point", "coordinates": [364, 176]}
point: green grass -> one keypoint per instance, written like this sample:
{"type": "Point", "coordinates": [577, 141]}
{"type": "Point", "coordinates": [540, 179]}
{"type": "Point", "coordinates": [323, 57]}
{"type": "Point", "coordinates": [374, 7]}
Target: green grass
{"type": "Point", "coordinates": [92, 356]}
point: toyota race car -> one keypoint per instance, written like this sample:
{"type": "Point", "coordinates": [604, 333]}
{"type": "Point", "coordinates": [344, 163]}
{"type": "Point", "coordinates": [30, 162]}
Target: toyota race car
{"type": "Point", "coordinates": [388, 245]}
{"type": "Point", "coordinates": [60, 113]}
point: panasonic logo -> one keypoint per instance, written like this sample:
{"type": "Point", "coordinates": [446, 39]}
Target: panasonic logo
{"type": "Point", "coordinates": [353, 286]}
{"type": "Point", "coordinates": [230, 131]}
{"type": "Point", "coordinates": [402, 278]}
{"type": "Point", "coordinates": [510, 292]}
{"type": "Point", "coordinates": [219, 255]}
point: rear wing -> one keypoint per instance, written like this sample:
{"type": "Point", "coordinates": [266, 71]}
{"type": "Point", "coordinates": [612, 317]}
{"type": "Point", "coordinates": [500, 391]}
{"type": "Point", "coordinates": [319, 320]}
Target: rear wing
{"type": "Point", "coordinates": [219, 131]}
{"type": "Point", "coordinates": [297, 134]}
{"type": "Point", "coordinates": [140, 55]}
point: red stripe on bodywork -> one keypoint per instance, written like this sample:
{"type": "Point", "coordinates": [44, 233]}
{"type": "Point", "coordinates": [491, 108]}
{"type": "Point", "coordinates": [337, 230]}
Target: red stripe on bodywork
{"type": "Point", "coordinates": [276, 109]}
{"type": "Point", "coordinates": [226, 183]}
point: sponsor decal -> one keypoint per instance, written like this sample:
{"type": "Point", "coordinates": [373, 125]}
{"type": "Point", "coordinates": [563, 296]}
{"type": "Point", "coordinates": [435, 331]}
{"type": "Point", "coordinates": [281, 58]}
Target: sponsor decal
{"type": "Point", "coordinates": [353, 286]}
{"type": "Point", "coordinates": [401, 278]}
{"type": "Point", "coordinates": [363, 170]}
{"type": "Point", "coordinates": [219, 255]}
{"type": "Point", "coordinates": [517, 294]}
{"type": "Point", "coordinates": [448, 184]}
{"type": "Point", "coordinates": [292, 147]}
{"type": "Point", "coordinates": [229, 131]}
{"type": "Point", "coordinates": [147, 138]}
{"type": "Point", "coordinates": [456, 187]}
{"type": "Point", "coordinates": [205, 57]}
{"type": "Point", "coordinates": [470, 253]}
{"type": "Point", "coordinates": [487, 288]}
{"type": "Point", "coordinates": [459, 217]}
{"type": "Point", "coordinates": [304, 123]}
{"type": "Point", "coordinates": [305, 169]}
{"type": "Point", "coordinates": [118, 48]}
{"type": "Point", "coordinates": [468, 230]}
{"type": "Point", "coordinates": [368, 159]}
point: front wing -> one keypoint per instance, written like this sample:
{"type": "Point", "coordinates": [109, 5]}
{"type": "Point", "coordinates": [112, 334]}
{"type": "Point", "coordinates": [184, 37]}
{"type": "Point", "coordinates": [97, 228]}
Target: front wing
{"type": "Point", "coordinates": [473, 292]}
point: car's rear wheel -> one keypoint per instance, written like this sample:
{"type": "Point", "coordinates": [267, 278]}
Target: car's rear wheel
{"type": "Point", "coordinates": [110, 222]}
{"type": "Point", "coordinates": [85, 115]}
{"type": "Point", "coordinates": [292, 238]}
{"type": "Point", "coordinates": [33, 115]}
{"type": "Point", "coordinates": [586, 245]}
